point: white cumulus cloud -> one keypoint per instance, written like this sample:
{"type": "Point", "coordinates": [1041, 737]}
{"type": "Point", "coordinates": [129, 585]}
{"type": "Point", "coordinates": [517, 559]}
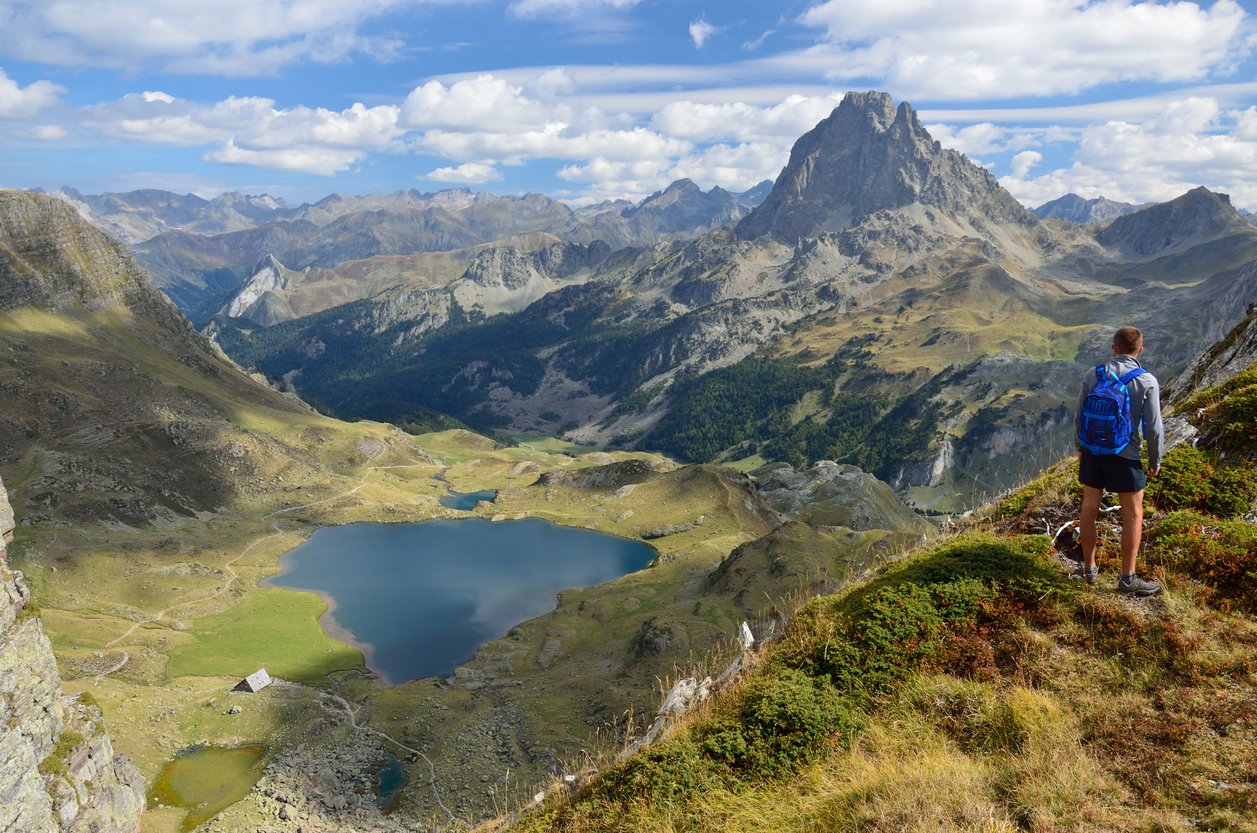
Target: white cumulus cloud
{"type": "Point", "coordinates": [485, 103]}
{"type": "Point", "coordinates": [252, 130]}
{"type": "Point", "coordinates": [323, 161]}
{"type": "Point", "coordinates": [470, 173]}
{"type": "Point", "coordinates": [1024, 161]}
{"type": "Point", "coordinates": [1190, 143]}
{"type": "Point", "coordinates": [18, 102]}
{"type": "Point", "coordinates": [567, 8]}
{"type": "Point", "coordinates": [783, 122]}
{"type": "Point", "coordinates": [1000, 48]}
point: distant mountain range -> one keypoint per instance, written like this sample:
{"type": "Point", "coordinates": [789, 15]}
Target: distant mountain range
{"type": "Point", "coordinates": [1076, 209]}
{"type": "Point", "coordinates": [886, 303]}
{"type": "Point", "coordinates": [200, 252]}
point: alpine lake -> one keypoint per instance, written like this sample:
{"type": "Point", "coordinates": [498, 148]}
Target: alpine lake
{"type": "Point", "coordinates": [417, 599]}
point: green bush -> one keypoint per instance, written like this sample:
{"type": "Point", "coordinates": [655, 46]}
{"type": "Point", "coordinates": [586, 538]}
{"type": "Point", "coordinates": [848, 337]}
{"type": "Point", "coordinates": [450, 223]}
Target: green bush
{"type": "Point", "coordinates": [1226, 414]}
{"type": "Point", "coordinates": [781, 722]}
{"type": "Point", "coordinates": [1193, 478]}
{"type": "Point", "coordinates": [1234, 489]}
{"type": "Point", "coordinates": [666, 772]}
{"type": "Point", "coordinates": [1221, 554]}
{"type": "Point", "coordinates": [866, 641]}
{"type": "Point", "coordinates": [1184, 479]}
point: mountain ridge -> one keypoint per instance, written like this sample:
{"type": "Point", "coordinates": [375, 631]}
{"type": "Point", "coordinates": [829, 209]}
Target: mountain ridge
{"type": "Point", "coordinates": [928, 301]}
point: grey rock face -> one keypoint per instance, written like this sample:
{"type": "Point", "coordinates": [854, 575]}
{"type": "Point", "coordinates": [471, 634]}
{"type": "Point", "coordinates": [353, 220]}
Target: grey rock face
{"type": "Point", "coordinates": [1234, 353]}
{"type": "Point", "coordinates": [269, 276]}
{"type": "Point", "coordinates": [58, 770]}
{"type": "Point", "coordinates": [1197, 216]}
{"type": "Point", "coordinates": [866, 157]}
{"type": "Point", "coordinates": [6, 518]}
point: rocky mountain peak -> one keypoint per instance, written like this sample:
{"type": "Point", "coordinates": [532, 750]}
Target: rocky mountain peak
{"type": "Point", "coordinates": [870, 156]}
{"type": "Point", "coordinates": [269, 275]}
{"type": "Point", "coordinates": [1077, 209]}
{"type": "Point", "coordinates": [1200, 215]}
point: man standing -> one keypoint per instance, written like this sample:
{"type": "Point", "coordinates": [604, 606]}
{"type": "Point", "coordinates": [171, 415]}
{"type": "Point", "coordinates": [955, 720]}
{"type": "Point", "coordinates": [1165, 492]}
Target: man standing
{"type": "Point", "coordinates": [1107, 464]}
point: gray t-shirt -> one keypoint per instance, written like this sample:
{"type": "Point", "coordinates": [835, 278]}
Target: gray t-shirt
{"type": "Point", "coordinates": [1145, 408]}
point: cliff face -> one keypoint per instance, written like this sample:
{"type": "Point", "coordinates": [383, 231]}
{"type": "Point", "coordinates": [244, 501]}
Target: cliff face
{"type": "Point", "coordinates": [58, 770]}
{"type": "Point", "coordinates": [1234, 353]}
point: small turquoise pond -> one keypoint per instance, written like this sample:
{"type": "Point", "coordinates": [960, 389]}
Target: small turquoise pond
{"type": "Point", "coordinates": [467, 500]}
{"type": "Point", "coordinates": [418, 599]}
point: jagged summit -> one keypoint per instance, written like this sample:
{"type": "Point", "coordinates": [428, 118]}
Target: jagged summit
{"type": "Point", "coordinates": [869, 156]}
{"type": "Point", "coordinates": [1077, 209]}
{"type": "Point", "coordinates": [683, 204]}
{"type": "Point", "coordinates": [1197, 216]}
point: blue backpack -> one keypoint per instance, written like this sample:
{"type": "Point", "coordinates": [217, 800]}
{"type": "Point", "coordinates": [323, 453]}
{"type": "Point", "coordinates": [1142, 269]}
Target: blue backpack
{"type": "Point", "coordinates": [1105, 426]}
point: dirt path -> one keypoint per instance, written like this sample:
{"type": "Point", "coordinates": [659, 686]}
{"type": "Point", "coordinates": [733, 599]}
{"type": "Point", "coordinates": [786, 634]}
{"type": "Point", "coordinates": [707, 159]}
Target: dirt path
{"type": "Point", "coordinates": [126, 657]}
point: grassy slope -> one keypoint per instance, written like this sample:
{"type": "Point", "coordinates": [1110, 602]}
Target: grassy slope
{"type": "Point", "coordinates": [971, 686]}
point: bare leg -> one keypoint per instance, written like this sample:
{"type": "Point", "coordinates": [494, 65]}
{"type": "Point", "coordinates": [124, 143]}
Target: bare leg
{"type": "Point", "coordinates": [1087, 523]}
{"type": "Point", "coordinates": [1132, 527]}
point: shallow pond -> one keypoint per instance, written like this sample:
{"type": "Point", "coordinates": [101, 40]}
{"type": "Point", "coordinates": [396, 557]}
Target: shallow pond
{"type": "Point", "coordinates": [206, 779]}
{"type": "Point", "coordinates": [418, 599]}
{"type": "Point", "coordinates": [467, 500]}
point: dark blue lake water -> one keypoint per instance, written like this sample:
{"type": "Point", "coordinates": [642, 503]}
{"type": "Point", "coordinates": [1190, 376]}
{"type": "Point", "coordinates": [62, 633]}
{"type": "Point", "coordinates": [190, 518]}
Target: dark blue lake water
{"type": "Point", "coordinates": [419, 598]}
{"type": "Point", "coordinates": [467, 500]}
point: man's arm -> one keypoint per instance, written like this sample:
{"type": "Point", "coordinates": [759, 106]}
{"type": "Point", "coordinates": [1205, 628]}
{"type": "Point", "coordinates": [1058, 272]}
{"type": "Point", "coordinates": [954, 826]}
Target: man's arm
{"type": "Point", "coordinates": [1154, 431]}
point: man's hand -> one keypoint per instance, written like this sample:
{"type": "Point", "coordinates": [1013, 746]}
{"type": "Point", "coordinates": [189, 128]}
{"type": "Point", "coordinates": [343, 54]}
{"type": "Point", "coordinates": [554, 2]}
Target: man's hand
{"type": "Point", "coordinates": [1154, 472]}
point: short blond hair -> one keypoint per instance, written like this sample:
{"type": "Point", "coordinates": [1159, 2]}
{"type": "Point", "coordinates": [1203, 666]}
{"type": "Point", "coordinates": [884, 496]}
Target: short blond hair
{"type": "Point", "coordinates": [1128, 340]}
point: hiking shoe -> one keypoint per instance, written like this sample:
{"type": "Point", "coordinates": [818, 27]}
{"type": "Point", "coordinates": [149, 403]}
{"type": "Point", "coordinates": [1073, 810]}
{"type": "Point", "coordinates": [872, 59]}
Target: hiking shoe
{"type": "Point", "coordinates": [1136, 586]}
{"type": "Point", "coordinates": [1084, 573]}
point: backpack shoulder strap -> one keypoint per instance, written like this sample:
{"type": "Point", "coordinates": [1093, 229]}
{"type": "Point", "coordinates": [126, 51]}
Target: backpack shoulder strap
{"type": "Point", "coordinates": [1099, 373]}
{"type": "Point", "coordinates": [1126, 377]}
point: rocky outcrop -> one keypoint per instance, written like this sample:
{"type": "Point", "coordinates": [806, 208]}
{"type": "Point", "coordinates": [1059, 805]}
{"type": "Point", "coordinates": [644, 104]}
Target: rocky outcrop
{"type": "Point", "coordinates": [833, 494]}
{"type": "Point", "coordinates": [256, 298]}
{"type": "Point", "coordinates": [58, 770]}
{"type": "Point", "coordinates": [866, 157]}
{"type": "Point", "coordinates": [1235, 352]}
{"type": "Point", "coordinates": [611, 476]}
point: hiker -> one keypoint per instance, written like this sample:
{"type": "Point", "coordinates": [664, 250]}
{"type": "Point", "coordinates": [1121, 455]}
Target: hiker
{"type": "Point", "coordinates": [1116, 398]}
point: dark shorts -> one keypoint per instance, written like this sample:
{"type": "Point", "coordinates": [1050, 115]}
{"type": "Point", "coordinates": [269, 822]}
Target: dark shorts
{"type": "Point", "coordinates": [1111, 472]}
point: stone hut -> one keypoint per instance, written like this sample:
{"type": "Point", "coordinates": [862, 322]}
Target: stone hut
{"type": "Point", "coordinates": [255, 682]}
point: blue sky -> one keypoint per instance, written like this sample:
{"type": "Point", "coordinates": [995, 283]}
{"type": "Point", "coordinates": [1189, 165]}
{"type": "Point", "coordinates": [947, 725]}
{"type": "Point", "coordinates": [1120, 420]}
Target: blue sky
{"type": "Point", "coordinates": [593, 99]}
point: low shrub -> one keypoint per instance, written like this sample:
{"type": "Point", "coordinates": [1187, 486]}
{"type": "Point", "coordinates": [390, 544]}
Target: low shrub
{"type": "Point", "coordinates": [663, 774]}
{"type": "Point", "coordinates": [1226, 414]}
{"type": "Point", "coordinates": [54, 763]}
{"type": "Point", "coordinates": [1221, 554]}
{"type": "Point", "coordinates": [780, 722]}
{"type": "Point", "coordinates": [1192, 478]}
{"type": "Point", "coordinates": [1184, 480]}
{"type": "Point", "coordinates": [909, 618]}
